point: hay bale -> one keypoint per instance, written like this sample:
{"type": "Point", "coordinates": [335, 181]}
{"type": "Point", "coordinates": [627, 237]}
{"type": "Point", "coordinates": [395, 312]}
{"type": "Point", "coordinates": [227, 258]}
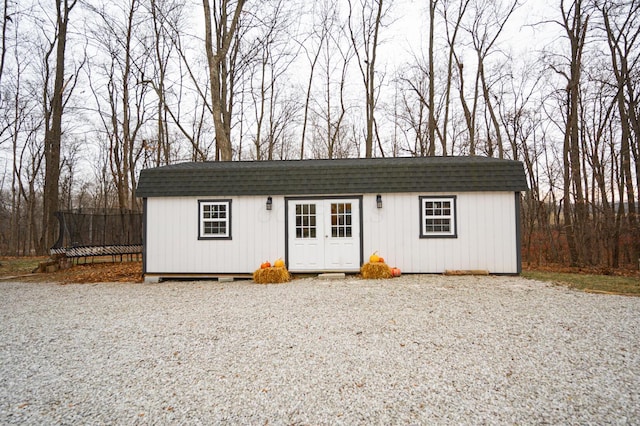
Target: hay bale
{"type": "Point", "coordinates": [375, 271]}
{"type": "Point", "coordinates": [271, 275]}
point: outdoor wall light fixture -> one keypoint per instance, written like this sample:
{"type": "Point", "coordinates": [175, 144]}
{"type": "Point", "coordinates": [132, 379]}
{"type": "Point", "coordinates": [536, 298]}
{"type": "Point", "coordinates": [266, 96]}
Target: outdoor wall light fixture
{"type": "Point", "coordinates": [269, 203]}
{"type": "Point", "coordinates": [379, 201]}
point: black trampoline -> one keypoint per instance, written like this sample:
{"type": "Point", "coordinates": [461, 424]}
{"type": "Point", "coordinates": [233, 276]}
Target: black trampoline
{"type": "Point", "coordinates": [98, 232]}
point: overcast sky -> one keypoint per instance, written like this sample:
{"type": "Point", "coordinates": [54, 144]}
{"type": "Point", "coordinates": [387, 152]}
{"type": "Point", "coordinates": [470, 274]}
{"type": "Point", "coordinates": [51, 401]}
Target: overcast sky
{"type": "Point", "coordinates": [526, 31]}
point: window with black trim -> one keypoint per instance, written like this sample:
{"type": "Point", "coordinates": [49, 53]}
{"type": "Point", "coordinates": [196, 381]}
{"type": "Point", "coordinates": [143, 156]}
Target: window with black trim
{"type": "Point", "coordinates": [438, 217]}
{"type": "Point", "coordinates": [214, 219]}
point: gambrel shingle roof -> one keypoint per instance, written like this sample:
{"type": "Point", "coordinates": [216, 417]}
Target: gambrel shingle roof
{"type": "Point", "coordinates": [344, 176]}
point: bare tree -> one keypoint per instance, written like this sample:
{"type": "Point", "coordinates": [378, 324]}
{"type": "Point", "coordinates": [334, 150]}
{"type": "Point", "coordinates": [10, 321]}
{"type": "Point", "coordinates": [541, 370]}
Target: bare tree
{"type": "Point", "coordinates": [273, 59]}
{"type": "Point", "coordinates": [412, 110]}
{"type": "Point", "coordinates": [312, 46]}
{"type": "Point", "coordinates": [452, 26]}
{"type": "Point", "coordinates": [219, 67]}
{"type": "Point", "coordinates": [28, 155]}
{"type": "Point", "coordinates": [597, 121]}
{"type": "Point", "coordinates": [6, 20]}
{"type": "Point", "coordinates": [21, 124]}
{"type": "Point", "coordinates": [621, 24]}
{"type": "Point", "coordinates": [120, 101]}
{"type": "Point", "coordinates": [431, 102]}
{"type": "Point", "coordinates": [486, 25]}
{"type": "Point", "coordinates": [331, 105]}
{"type": "Point", "coordinates": [54, 104]}
{"type": "Point", "coordinates": [187, 101]}
{"type": "Point", "coordinates": [365, 38]}
{"type": "Point", "coordinates": [165, 17]}
{"type": "Point", "coordinates": [574, 23]}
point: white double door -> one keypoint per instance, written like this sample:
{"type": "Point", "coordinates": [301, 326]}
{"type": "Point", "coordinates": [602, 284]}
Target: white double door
{"type": "Point", "coordinates": [324, 235]}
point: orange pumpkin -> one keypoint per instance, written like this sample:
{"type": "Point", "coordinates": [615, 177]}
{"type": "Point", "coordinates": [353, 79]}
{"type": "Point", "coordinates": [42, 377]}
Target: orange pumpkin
{"type": "Point", "coordinates": [380, 259]}
{"type": "Point", "coordinates": [395, 272]}
{"type": "Point", "coordinates": [265, 265]}
{"type": "Point", "coordinates": [278, 263]}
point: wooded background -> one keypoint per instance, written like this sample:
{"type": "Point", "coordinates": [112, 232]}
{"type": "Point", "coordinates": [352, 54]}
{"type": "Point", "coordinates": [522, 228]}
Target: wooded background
{"type": "Point", "coordinates": [93, 91]}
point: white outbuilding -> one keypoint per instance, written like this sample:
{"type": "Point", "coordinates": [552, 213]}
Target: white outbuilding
{"type": "Point", "coordinates": [423, 215]}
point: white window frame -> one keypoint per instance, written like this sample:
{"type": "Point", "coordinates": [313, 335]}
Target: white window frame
{"type": "Point", "coordinates": [451, 217]}
{"type": "Point", "coordinates": [202, 235]}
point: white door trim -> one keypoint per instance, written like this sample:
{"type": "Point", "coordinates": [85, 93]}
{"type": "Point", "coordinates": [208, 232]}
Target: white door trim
{"type": "Point", "coordinates": [317, 247]}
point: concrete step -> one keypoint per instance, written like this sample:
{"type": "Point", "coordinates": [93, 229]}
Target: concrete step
{"type": "Point", "coordinates": [332, 276]}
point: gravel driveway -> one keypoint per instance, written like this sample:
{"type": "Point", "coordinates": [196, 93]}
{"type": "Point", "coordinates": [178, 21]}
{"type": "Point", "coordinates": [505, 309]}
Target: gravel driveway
{"type": "Point", "coordinates": [417, 349]}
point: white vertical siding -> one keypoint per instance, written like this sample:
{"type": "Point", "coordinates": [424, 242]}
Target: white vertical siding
{"type": "Point", "coordinates": [486, 228]}
{"type": "Point", "coordinates": [172, 244]}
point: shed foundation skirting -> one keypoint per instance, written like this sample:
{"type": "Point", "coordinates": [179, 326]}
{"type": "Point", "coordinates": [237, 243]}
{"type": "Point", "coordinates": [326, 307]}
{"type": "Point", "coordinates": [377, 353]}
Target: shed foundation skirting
{"type": "Point", "coordinates": [156, 278]}
{"type": "Point", "coordinates": [466, 272]}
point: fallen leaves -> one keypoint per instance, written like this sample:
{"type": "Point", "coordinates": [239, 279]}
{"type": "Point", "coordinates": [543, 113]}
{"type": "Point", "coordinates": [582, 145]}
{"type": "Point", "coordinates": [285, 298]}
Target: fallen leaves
{"type": "Point", "coordinates": [588, 270]}
{"type": "Point", "coordinates": [100, 272]}
{"type": "Point", "coordinates": [95, 271]}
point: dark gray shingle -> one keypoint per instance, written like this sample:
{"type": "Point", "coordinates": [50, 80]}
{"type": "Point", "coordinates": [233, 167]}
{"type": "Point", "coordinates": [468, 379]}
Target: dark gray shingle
{"type": "Point", "coordinates": [346, 176]}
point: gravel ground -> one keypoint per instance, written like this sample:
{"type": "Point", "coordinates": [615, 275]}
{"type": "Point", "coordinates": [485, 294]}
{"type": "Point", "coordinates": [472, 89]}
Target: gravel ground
{"type": "Point", "coordinates": [414, 350]}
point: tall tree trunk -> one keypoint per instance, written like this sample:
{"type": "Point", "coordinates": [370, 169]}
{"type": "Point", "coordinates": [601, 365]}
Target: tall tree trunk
{"type": "Point", "coordinates": [164, 149]}
{"type": "Point", "coordinates": [491, 109]}
{"type": "Point", "coordinates": [3, 48]}
{"type": "Point", "coordinates": [53, 131]}
{"type": "Point", "coordinates": [307, 99]}
{"type": "Point", "coordinates": [124, 191]}
{"type": "Point", "coordinates": [469, 115]}
{"type": "Point", "coordinates": [619, 50]}
{"type": "Point", "coordinates": [451, 42]}
{"type": "Point", "coordinates": [367, 62]}
{"type": "Point", "coordinates": [216, 60]}
{"type": "Point", "coordinates": [432, 104]}
{"type": "Point", "coordinates": [576, 30]}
